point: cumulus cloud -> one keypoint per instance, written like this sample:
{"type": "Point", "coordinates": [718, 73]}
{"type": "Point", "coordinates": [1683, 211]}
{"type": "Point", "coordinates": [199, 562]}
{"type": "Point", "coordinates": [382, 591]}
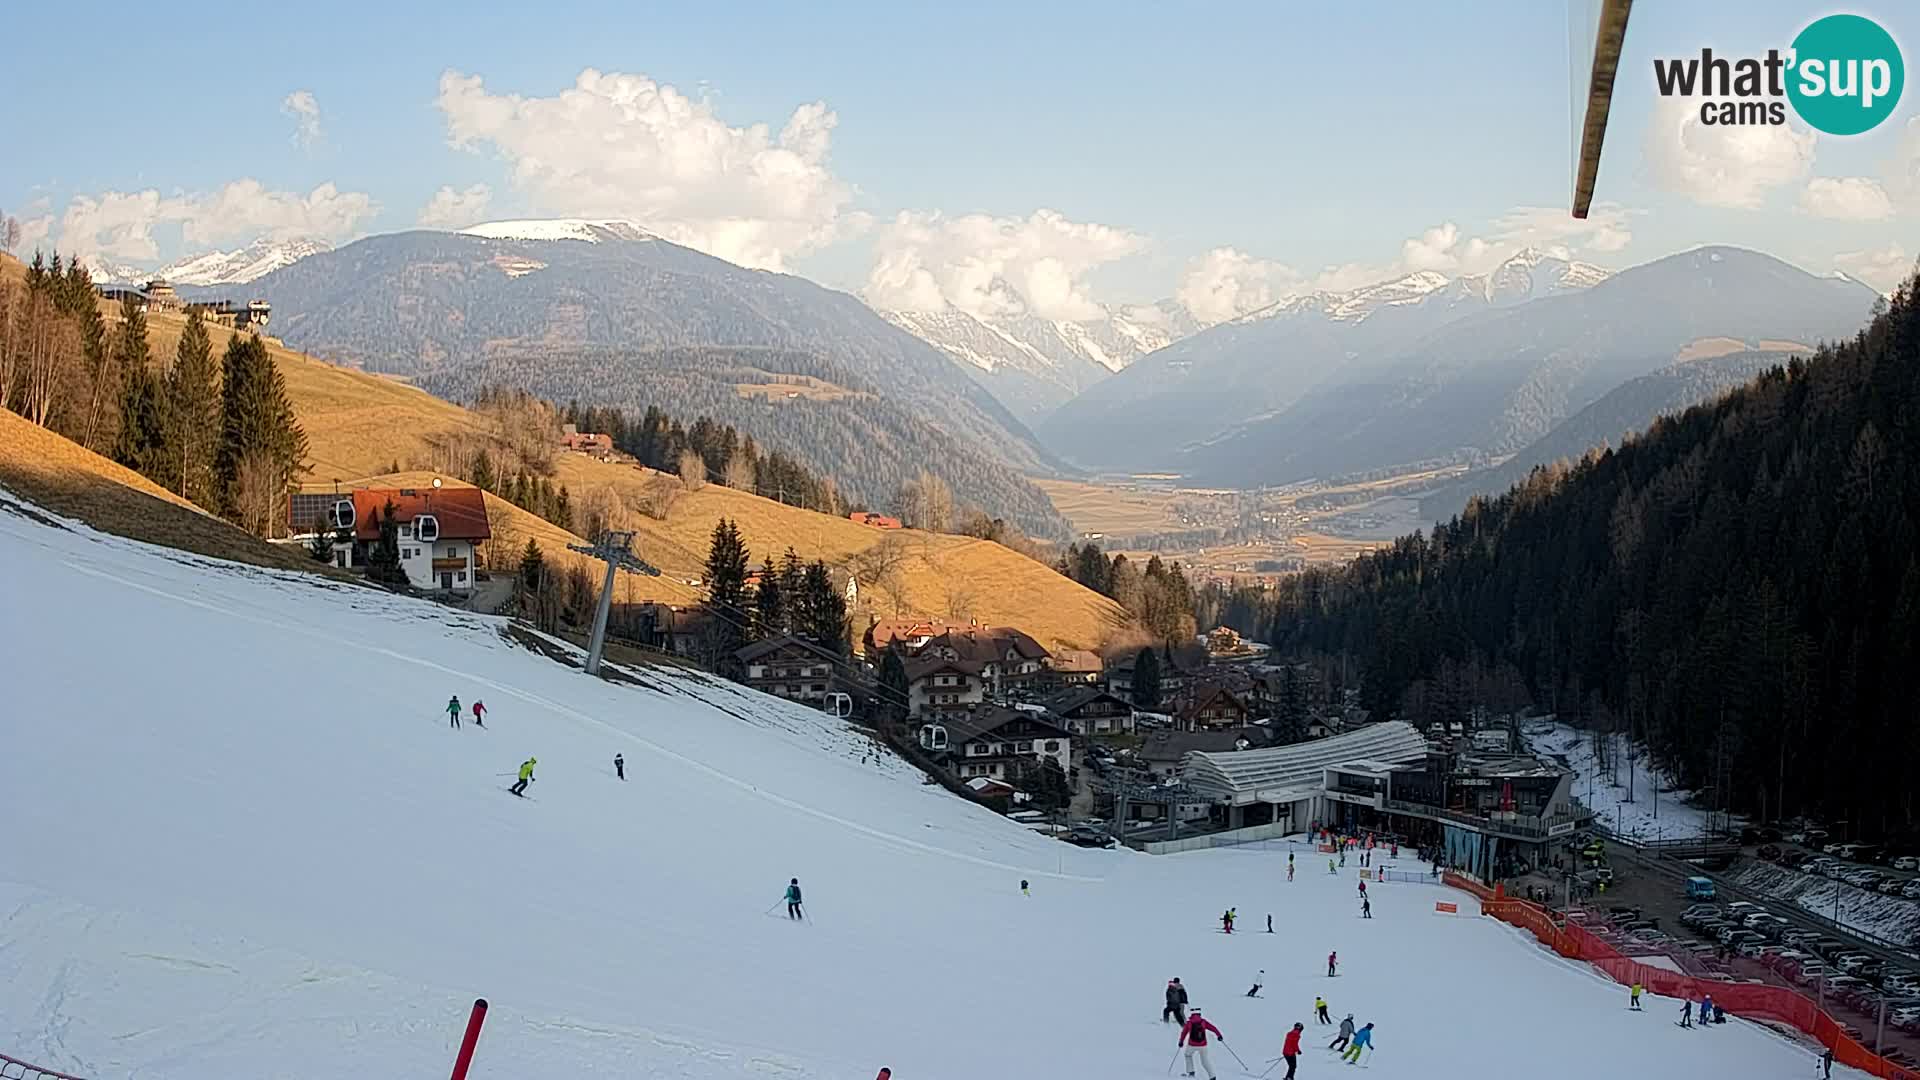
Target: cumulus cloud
{"type": "Point", "coordinates": [624, 146]}
{"type": "Point", "coordinates": [304, 110]}
{"type": "Point", "coordinates": [1226, 283]}
{"type": "Point", "coordinates": [1846, 198]}
{"type": "Point", "coordinates": [1606, 228]}
{"type": "Point", "coordinates": [34, 232]}
{"type": "Point", "coordinates": [450, 209]}
{"type": "Point", "coordinates": [1883, 268]}
{"type": "Point", "coordinates": [1723, 165]}
{"type": "Point", "coordinates": [993, 267]}
{"type": "Point", "coordinates": [121, 225]}
{"type": "Point", "coordinates": [1442, 248]}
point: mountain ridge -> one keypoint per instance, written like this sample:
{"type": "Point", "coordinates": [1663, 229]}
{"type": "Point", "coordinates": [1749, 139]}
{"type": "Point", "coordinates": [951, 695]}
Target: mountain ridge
{"type": "Point", "coordinates": [1199, 387]}
{"type": "Point", "coordinates": [1494, 383]}
{"type": "Point", "coordinates": [612, 315]}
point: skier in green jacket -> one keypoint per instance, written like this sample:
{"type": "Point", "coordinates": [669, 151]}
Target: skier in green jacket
{"type": "Point", "coordinates": [526, 777]}
{"type": "Point", "coordinates": [453, 712]}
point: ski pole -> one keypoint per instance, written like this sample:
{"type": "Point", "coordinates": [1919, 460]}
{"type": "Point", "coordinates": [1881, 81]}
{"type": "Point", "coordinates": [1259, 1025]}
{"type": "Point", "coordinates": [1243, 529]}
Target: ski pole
{"type": "Point", "coordinates": [1176, 1057]}
{"type": "Point", "coordinates": [1236, 1057]}
{"type": "Point", "coordinates": [770, 910]}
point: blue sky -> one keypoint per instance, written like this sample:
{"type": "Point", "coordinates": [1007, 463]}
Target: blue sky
{"type": "Point", "coordinates": [1229, 152]}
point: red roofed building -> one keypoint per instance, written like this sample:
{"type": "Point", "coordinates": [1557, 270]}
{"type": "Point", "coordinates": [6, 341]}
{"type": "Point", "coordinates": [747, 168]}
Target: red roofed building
{"type": "Point", "coordinates": [877, 521]}
{"type": "Point", "coordinates": [440, 529]}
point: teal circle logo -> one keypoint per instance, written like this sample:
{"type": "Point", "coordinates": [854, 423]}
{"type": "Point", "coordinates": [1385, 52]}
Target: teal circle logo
{"type": "Point", "coordinates": [1847, 74]}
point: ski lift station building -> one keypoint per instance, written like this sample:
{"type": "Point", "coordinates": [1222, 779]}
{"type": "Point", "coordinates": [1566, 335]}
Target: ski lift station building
{"type": "Point", "coordinates": [1290, 784]}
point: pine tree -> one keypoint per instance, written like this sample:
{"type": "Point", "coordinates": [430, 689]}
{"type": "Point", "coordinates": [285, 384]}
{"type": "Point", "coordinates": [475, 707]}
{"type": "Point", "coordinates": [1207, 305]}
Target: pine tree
{"type": "Point", "coordinates": [483, 471]}
{"type": "Point", "coordinates": [140, 444]}
{"type": "Point", "coordinates": [533, 568]}
{"type": "Point", "coordinates": [1290, 725]}
{"type": "Point", "coordinates": [895, 691]}
{"type": "Point", "coordinates": [727, 595]}
{"type": "Point", "coordinates": [825, 609]}
{"type": "Point", "coordinates": [261, 444]}
{"type": "Point", "coordinates": [1146, 679]}
{"type": "Point", "coordinates": [321, 546]}
{"type": "Point", "coordinates": [191, 416]}
{"type": "Point", "coordinates": [563, 509]}
{"type": "Point", "coordinates": [383, 560]}
{"type": "Point", "coordinates": [769, 614]}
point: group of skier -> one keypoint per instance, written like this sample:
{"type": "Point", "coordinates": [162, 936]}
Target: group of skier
{"type": "Point", "coordinates": [1197, 1033]}
{"type": "Point", "coordinates": [453, 713]}
{"type": "Point", "coordinates": [525, 774]}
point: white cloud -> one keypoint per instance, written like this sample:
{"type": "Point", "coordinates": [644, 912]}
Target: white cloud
{"type": "Point", "coordinates": [34, 232]}
{"type": "Point", "coordinates": [121, 225]}
{"type": "Point", "coordinates": [624, 146]}
{"type": "Point", "coordinates": [302, 107]}
{"type": "Point", "coordinates": [1847, 198]}
{"type": "Point", "coordinates": [1903, 169]}
{"type": "Point", "coordinates": [1226, 282]}
{"type": "Point", "coordinates": [1883, 268]}
{"type": "Point", "coordinates": [1722, 165]}
{"type": "Point", "coordinates": [450, 209]}
{"type": "Point", "coordinates": [993, 267]}
{"type": "Point", "coordinates": [1442, 248]}
{"type": "Point", "coordinates": [1605, 229]}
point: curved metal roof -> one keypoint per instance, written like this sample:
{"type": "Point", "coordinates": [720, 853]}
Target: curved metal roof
{"type": "Point", "coordinates": [1246, 772]}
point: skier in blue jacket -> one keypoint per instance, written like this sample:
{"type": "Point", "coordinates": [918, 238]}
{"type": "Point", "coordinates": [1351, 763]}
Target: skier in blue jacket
{"type": "Point", "coordinates": [1362, 1039]}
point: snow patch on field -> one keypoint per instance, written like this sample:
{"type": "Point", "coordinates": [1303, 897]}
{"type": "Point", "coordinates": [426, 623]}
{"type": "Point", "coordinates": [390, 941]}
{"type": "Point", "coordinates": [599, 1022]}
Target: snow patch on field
{"type": "Point", "coordinates": [1887, 918]}
{"type": "Point", "coordinates": [1672, 816]}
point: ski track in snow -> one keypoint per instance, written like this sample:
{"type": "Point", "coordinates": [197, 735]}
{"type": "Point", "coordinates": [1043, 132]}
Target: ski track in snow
{"type": "Point", "coordinates": [246, 846]}
{"type": "Point", "coordinates": [562, 709]}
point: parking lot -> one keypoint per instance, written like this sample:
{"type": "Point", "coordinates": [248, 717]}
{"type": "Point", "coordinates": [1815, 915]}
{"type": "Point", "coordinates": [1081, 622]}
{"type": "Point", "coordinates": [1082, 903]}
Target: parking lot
{"type": "Point", "coordinates": [1738, 938]}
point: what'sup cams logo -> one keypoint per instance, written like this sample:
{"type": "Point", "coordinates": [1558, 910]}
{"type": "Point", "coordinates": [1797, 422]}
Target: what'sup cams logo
{"type": "Point", "coordinates": [1842, 75]}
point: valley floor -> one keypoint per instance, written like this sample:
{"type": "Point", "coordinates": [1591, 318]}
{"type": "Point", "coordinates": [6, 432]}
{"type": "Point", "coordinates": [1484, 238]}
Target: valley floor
{"type": "Point", "coordinates": [242, 841]}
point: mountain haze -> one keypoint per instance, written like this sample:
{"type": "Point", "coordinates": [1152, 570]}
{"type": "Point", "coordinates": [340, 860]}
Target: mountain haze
{"type": "Point", "coordinates": [1628, 408]}
{"type": "Point", "coordinates": [1034, 365]}
{"type": "Point", "coordinates": [1264, 361]}
{"type": "Point", "coordinates": [1491, 384]}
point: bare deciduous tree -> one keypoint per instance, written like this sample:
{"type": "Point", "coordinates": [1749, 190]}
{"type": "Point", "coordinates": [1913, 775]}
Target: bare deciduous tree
{"type": "Point", "coordinates": [693, 471]}
{"type": "Point", "coordinates": [739, 473]}
{"type": "Point", "coordinates": [260, 494]}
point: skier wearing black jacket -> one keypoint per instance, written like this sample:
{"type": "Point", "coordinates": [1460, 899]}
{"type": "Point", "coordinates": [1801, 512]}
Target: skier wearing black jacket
{"type": "Point", "coordinates": [1176, 1003]}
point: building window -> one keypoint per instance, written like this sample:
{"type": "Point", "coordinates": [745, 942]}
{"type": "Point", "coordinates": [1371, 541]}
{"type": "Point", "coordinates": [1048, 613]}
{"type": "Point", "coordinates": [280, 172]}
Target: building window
{"type": "Point", "coordinates": [460, 576]}
{"type": "Point", "coordinates": [1053, 745]}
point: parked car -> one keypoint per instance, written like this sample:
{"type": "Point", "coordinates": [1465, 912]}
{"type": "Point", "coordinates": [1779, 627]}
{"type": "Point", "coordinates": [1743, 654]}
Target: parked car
{"type": "Point", "coordinates": [1852, 962]}
{"type": "Point", "coordinates": [1891, 887]}
{"type": "Point", "coordinates": [1769, 852]}
{"type": "Point", "coordinates": [1906, 862]}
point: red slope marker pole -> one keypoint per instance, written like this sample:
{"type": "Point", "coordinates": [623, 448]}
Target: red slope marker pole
{"type": "Point", "coordinates": [474, 1021]}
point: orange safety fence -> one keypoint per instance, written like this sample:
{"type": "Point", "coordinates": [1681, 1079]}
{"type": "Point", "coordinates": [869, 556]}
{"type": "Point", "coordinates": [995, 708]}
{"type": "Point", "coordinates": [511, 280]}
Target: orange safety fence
{"type": "Point", "coordinates": [1751, 1000]}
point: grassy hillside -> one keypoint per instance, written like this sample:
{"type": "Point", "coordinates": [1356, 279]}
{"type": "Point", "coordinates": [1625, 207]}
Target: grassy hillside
{"type": "Point", "coordinates": [68, 479]}
{"type": "Point", "coordinates": [359, 425]}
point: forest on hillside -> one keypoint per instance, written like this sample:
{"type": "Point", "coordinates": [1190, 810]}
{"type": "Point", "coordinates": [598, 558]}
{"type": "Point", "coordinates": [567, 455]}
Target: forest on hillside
{"type": "Point", "coordinates": [1739, 588]}
{"type": "Point", "coordinates": [870, 445]}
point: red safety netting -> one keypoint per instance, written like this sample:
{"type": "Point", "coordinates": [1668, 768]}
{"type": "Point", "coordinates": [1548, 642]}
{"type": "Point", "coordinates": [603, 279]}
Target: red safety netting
{"type": "Point", "coordinates": [1751, 1000]}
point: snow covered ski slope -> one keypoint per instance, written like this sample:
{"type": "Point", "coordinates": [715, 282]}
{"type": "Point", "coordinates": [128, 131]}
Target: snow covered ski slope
{"type": "Point", "coordinates": [239, 839]}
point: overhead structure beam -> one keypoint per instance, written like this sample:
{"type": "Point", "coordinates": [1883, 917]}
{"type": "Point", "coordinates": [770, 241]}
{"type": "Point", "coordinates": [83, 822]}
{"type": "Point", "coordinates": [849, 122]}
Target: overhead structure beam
{"type": "Point", "coordinates": [1609, 37]}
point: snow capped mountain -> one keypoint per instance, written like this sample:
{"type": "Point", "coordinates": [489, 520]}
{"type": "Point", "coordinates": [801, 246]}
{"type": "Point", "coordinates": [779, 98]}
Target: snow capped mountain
{"type": "Point", "coordinates": [1033, 364]}
{"type": "Point", "coordinates": [1528, 275]}
{"type": "Point", "coordinates": [592, 231]}
{"type": "Point", "coordinates": [1263, 361]}
{"type": "Point", "coordinates": [258, 259]}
